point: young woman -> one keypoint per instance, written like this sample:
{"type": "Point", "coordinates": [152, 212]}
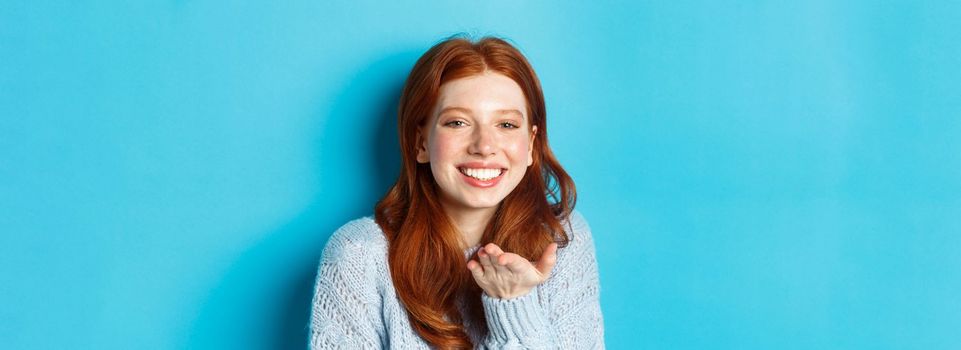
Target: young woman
{"type": "Point", "coordinates": [477, 244]}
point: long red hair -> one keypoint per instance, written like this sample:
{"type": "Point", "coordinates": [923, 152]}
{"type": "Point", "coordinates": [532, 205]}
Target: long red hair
{"type": "Point", "coordinates": [426, 254]}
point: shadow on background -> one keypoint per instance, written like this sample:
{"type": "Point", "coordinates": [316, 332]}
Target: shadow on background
{"type": "Point", "coordinates": [358, 160]}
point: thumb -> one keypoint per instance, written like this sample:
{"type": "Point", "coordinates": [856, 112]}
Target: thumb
{"type": "Point", "coordinates": [546, 263]}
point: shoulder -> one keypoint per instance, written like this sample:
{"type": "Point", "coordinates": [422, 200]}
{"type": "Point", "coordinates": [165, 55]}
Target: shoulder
{"type": "Point", "coordinates": [580, 245]}
{"type": "Point", "coordinates": [578, 221]}
{"type": "Point", "coordinates": [578, 231]}
{"type": "Point", "coordinates": [358, 239]}
{"type": "Point", "coordinates": [575, 272]}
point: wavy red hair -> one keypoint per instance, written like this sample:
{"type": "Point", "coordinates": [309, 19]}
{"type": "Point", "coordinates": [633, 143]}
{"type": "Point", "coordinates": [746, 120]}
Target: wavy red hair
{"type": "Point", "coordinates": [426, 253]}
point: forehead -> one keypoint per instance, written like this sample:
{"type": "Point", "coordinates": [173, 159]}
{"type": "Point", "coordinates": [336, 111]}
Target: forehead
{"type": "Point", "coordinates": [483, 93]}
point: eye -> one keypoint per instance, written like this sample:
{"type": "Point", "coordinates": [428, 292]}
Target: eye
{"type": "Point", "coordinates": [455, 123]}
{"type": "Point", "coordinates": [508, 125]}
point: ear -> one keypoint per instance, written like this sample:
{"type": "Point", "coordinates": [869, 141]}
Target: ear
{"type": "Point", "coordinates": [530, 149]}
{"type": "Point", "coordinates": [422, 155]}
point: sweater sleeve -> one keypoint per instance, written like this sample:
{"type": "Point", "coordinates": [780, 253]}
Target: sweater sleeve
{"type": "Point", "coordinates": [564, 312]}
{"type": "Point", "coordinates": [346, 304]}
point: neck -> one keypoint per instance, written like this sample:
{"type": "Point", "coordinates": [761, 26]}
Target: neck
{"type": "Point", "coordinates": [471, 222]}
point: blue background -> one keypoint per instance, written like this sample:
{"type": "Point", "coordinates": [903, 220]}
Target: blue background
{"type": "Point", "coordinates": [758, 175]}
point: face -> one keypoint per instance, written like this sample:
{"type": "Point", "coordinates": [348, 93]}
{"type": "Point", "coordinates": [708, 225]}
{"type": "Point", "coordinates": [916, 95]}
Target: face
{"type": "Point", "coordinates": [478, 141]}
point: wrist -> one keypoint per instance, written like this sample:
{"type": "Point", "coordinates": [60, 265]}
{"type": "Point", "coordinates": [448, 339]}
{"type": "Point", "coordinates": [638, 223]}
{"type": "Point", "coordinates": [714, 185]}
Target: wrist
{"type": "Point", "coordinates": [507, 295]}
{"type": "Point", "coordinates": [515, 319]}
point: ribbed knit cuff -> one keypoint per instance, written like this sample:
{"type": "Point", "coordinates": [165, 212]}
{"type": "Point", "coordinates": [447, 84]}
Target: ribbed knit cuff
{"type": "Point", "coordinates": [515, 320]}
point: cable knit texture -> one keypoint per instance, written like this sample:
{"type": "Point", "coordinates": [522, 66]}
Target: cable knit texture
{"type": "Point", "coordinates": [355, 305]}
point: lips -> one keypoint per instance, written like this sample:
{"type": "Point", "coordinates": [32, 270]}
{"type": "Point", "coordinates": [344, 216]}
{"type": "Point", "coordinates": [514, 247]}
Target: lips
{"type": "Point", "coordinates": [482, 175]}
{"type": "Point", "coordinates": [483, 171]}
{"type": "Point", "coordinates": [482, 165]}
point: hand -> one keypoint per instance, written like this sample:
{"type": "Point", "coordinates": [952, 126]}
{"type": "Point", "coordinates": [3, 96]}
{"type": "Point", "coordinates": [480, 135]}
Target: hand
{"type": "Point", "coordinates": [508, 275]}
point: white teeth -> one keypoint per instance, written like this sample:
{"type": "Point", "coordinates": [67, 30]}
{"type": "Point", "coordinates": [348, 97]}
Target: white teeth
{"type": "Point", "coordinates": [481, 174]}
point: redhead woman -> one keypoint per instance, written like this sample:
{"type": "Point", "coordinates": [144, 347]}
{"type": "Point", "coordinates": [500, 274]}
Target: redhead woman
{"type": "Point", "coordinates": [477, 244]}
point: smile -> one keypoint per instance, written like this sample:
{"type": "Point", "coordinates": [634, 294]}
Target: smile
{"type": "Point", "coordinates": [481, 174]}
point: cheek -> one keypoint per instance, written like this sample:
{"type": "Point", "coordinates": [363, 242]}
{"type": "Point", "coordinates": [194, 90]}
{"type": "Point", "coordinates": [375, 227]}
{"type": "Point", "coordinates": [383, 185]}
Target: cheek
{"type": "Point", "coordinates": [518, 149]}
{"type": "Point", "coordinates": [442, 147]}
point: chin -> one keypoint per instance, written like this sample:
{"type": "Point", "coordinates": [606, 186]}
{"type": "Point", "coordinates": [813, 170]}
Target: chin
{"type": "Point", "coordinates": [479, 203]}
{"type": "Point", "coordinates": [482, 204]}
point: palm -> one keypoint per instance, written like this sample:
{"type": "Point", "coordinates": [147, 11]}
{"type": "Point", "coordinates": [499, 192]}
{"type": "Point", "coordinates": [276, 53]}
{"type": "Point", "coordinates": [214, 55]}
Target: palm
{"type": "Point", "coordinates": [508, 275]}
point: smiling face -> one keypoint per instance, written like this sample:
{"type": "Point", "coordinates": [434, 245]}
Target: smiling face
{"type": "Point", "coordinates": [478, 141]}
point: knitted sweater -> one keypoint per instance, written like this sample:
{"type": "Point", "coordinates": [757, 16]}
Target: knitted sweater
{"type": "Point", "coordinates": [355, 305]}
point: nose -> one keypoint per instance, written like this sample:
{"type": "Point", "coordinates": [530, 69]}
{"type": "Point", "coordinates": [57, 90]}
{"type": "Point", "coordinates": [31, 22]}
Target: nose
{"type": "Point", "coordinates": [483, 142]}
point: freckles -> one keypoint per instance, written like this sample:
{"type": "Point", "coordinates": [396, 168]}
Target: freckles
{"type": "Point", "coordinates": [442, 145]}
{"type": "Point", "coordinates": [519, 145]}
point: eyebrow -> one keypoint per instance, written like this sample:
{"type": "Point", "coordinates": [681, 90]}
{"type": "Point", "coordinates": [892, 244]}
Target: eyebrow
{"type": "Point", "coordinates": [468, 111]}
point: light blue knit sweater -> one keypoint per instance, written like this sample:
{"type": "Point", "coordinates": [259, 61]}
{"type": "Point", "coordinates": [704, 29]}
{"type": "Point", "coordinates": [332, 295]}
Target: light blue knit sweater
{"type": "Point", "coordinates": [355, 305]}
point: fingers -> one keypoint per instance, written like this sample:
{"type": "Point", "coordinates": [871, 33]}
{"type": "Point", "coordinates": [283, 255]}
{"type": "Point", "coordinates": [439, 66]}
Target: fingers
{"type": "Point", "coordinates": [515, 263]}
{"type": "Point", "coordinates": [485, 259]}
{"type": "Point", "coordinates": [492, 259]}
{"type": "Point", "coordinates": [547, 260]}
{"type": "Point", "coordinates": [475, 268]}
{"type": "Point", "coordinates": [493, 249]}
{"type": "Point", "coordinates": [496, 256]}
{"type": "Point", "coordinates": [505, 275]}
